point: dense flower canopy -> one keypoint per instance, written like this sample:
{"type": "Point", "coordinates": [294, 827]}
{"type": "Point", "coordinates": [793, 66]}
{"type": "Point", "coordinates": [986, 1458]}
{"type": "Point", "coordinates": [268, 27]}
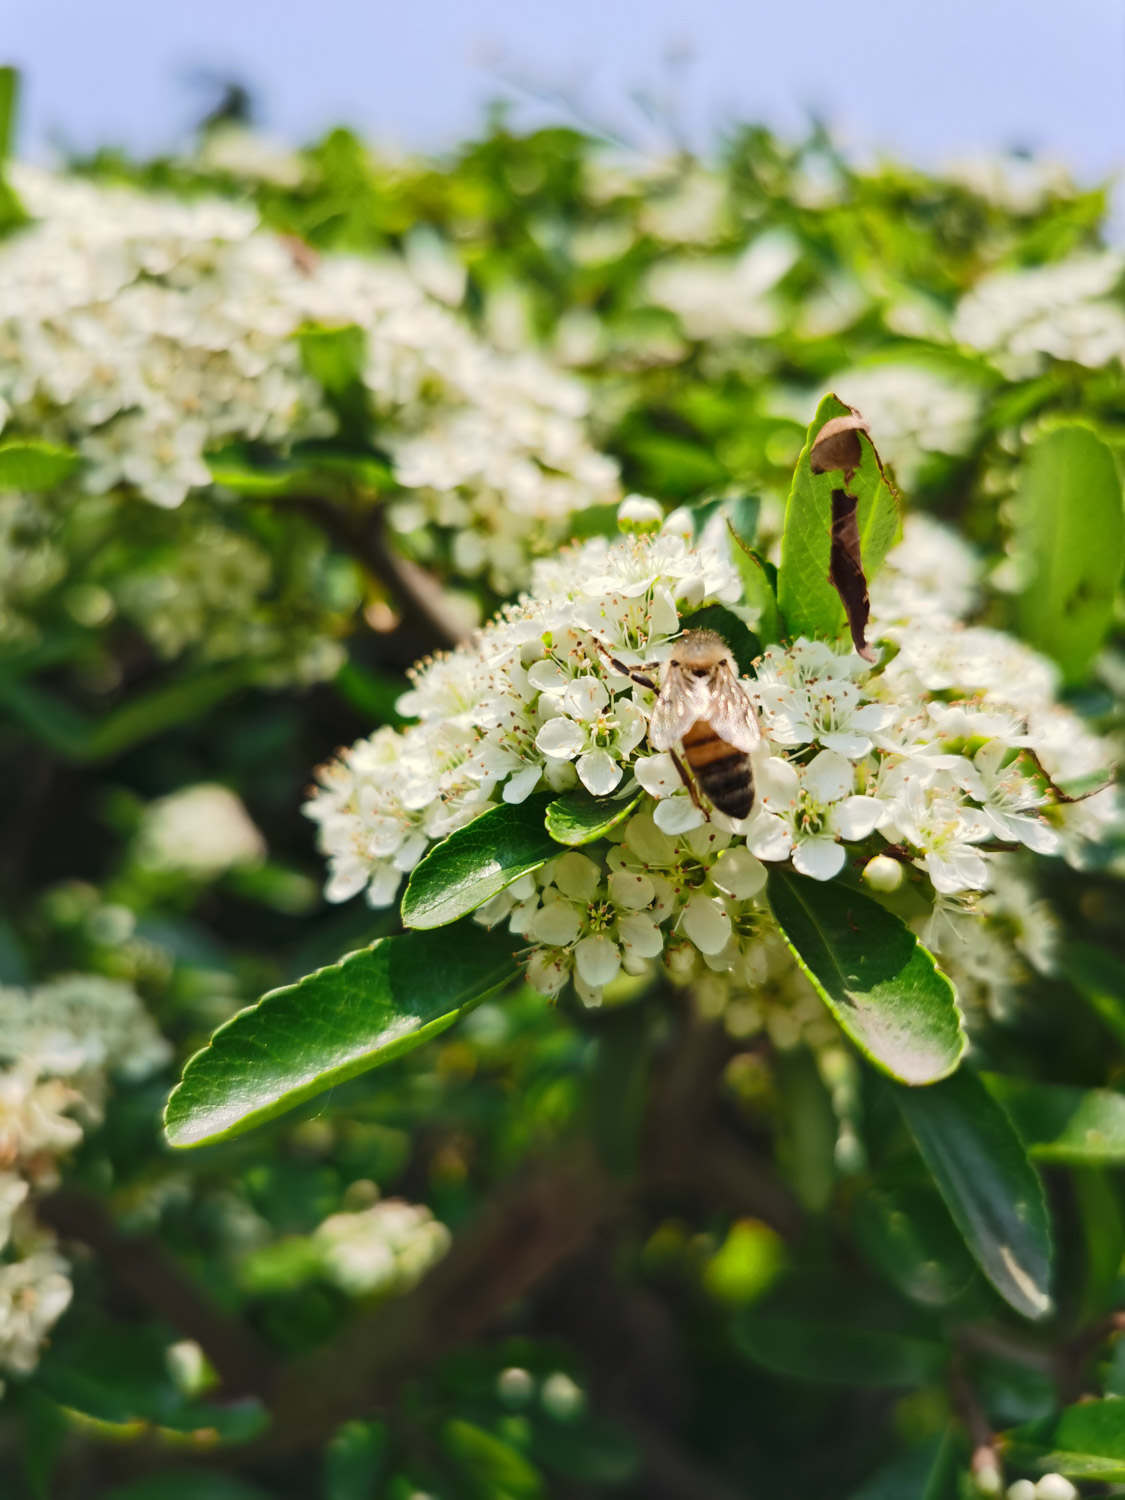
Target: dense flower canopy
{"type": "Point", "coordinates": [925, 750]}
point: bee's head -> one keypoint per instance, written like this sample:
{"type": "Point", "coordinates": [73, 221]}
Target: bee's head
{"type": "Point", "coordinates": [699, 652]}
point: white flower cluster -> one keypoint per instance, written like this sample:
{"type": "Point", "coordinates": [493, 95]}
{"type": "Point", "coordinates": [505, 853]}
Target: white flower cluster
{"type": "Point", "coordinates": [147, 331]}
{"type": "Point", "coordinates": [925, 752]}
{"type": "Point", "coordinates": [716, 297]}
{"type": "Point", "coordinates": [202, 830]}
{"type": "Point", "coordinates": [1065, 311]}
{"type": "Point", "coordinates": [58, 1044]}
{"type": "Point", "coordinates": [385, 1248]}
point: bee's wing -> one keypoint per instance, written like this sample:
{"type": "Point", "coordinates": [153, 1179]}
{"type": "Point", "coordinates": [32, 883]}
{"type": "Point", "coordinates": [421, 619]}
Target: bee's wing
{"type": "Point", "coordinates": [682, 700]}
{"type": "Point", "coordinates": [732, 715]}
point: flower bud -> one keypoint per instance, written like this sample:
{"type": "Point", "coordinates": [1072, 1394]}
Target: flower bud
{"type": "Point", "coordinates": [883, 873]}
{"type": "Point", "coordinates": [638, 515]}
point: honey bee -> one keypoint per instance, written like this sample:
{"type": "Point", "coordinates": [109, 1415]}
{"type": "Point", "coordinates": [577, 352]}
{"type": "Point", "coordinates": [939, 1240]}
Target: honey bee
{"type": "Point", "coordinates": [701, 705]}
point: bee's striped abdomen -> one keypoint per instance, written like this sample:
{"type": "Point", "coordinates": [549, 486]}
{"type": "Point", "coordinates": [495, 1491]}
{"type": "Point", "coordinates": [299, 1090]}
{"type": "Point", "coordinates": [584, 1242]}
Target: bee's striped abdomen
{"type": "Point", "coordinates": [724, 773]}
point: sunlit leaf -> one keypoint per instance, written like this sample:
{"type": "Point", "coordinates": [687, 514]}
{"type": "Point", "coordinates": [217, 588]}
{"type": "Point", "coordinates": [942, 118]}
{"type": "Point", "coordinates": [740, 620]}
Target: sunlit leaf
{"type": "Point", "coordinates": [1069, 526]}
{"type": "Point", "coordinates": [27, 464]}
{"type": "Point", "coordinates": [341, 1021]}
{"type": "Point", "coordinates": [478, 861]}
{"type": "Point", "coordinates": [1082, 1127]}
{"type": "Point", "coordinates": [578, 818]}
{"type": "Point", "coordinates": [876, 978]}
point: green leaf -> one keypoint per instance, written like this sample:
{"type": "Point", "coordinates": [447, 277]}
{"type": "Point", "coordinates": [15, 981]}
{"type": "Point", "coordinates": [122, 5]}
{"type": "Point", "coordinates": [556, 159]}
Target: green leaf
{"type": "Point", "coordinates": [1099, 977]}
{"type": "Point", "coordinates": [674, 467]}
{"type": "Point", "coordinates": [906, 1233]}
{"type": "Point", "coordinates": [1086, 1441]}
{"type": "Point", "coordinates": [989, 1186]}
{"type": "Point", "coordinates": [577, 818]}
{"type": "Point", "coordinates": [27, 464]}
{"type": "Point", "coordinates": [876, 978]}
{"type": "Point", "coordinates": [332, 1025]}
{"type": "Point", "coordinates": [759, 587]}
{"type": "Point", "coordinates": [478, 861]}
{"type": "Point", "coordinates": [739, 637]}
{"type": "Point", "coordinates": [927, 1472]}
{"type": "Point", "coordinates": [118, 1373]}
{"type": "Point", "coordinates": [813, 1332]}
{"type": "Point", "coordinates": [1079, 1127]}
{"type": "Point", "coordinates": [334, 357]}
{"type": "Point", "coordinates": [354, 1459]}
{"type": "Point", "coordinates": [1068, 523]}
{"type": "Point", "coordinates": [9, 108]}
{"type": "Point", "coordinates": [492, 1466]}
{"type": "Point", "coordinates": [809, 604]}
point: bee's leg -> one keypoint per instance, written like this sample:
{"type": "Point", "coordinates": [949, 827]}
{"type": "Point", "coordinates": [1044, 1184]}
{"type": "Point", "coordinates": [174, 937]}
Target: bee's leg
{"type": "Point", "coordinates": [639, 675]}
{"type": "Point", "coordinates": [689, 783]}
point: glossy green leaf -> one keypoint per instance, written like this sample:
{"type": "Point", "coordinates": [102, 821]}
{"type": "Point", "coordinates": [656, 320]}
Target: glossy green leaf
{"type": "Point", "coordinates": [1086, 1441]}
{"type": "Point", "coordinates": [876, 978]}
{"type": "Point", "coordinates": [577, 818]}
{"type": "Point", "coordinates": [338, 1022]}
{"type": "Point", "coordinates": [478, 861]}
{"type": "Point", "coordinates": [812, 1331]}
{"type": "Point", "coordinates": [1069, 526]}
{"type": "Point", "coordinates": [990, 1188]}
{"type": "Point", "coordinates": [809, 604]}
{"type": "Point", "coordinates": [744, 644]}
{"type": "Point", "coordinates": [1081, 1127]}
{"type": "Point", "coordinates": [906, 1233]}
{"type": "Point", "coordinates": [27, 464]}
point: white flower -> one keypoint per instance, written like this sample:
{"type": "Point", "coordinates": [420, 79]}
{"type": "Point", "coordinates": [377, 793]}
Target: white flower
{"type": "Point", "coordinates": [595, 731]}
{"type": "Point", "coordinates": [1008, 799]}
{"type": "Point", "coordinates": [936, 821]}
{"type": "Point", "coordinates": [203, 829]}
{"type": "Point", "coordinates": [34, 1294]}
{"type": "Point", "coordinates": [387, 1247]}
{"type": "Point", "coordinates": [820, 807]}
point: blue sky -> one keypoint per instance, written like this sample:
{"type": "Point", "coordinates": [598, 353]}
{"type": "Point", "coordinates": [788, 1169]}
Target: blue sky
{"type": "Point", "coordinates": [927, 79]}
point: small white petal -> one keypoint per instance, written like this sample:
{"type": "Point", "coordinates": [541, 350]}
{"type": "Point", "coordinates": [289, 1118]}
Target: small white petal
{"type": "Point", "coordinates": [777, 782]}
{"type": "Point", "coordinates": [843, 742]}
{"type": "Point", "coordinates": [598, 960]}
{"type": "Point", "coordinates": [576, 876]}
{"type": "Point", "coordinates": [547, 677]}
{"type": "Point", "coordinates": [630, 890]}
{"type": "Point", "coordinates": [663, 619]}
{"type": "Point", "coordinates": [856, 817]}
{"type": "Point", "coordinates": [647, 842]}
{"type": "Point", "coordinates": [520, 786]}
{"type": "Point", "coordinates": [558, 924]}
{"type": "Point", "coordinates": [706, 923]}
{"type": "Point", "coordinates": [657, 774]}
{"type": "Point", "coordinates": [561, 739]}
{"type": "Point", "coordinates": [598, 772]}
{"type": "Point", "coordinates": [676, 815]}
{"type": "Point", "coordinates": [640, 935]}
{"type": "Point", "coordinates": [585, 698]}
{"type": "Point", "coordinates": [768, 836]}
{"type": "Point", "coordinates": [819, 857]}
{"type": "Point", "coordinates": [738, 873]}
{"type": "Point", "coordinates": [828, 777]}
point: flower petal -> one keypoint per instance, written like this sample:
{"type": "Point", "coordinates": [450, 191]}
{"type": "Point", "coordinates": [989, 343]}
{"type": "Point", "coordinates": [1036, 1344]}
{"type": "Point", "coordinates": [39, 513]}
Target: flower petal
{"type": "Point", "coordinates": [657, 774]}
{"type": "Point", "coordinates": [630, 890]}
{"type": "Point", "coordinates": [706, 923]}
{"type": "Point", "coordinates": [828, 777]}
{"type": "Point", "coordinates": [640, 935]}
{"type": "Point", "coordinates": [819, 857]}
{"type": "Point", "coordinates": [598, 959]}
{"type": "Point", "coordinates": [560, 738]}
{"type": "Point", "coordinates": [557, 924]}
{"type": "Point", "coordinates": [598, 772]}
{"type": "Point", "coordinates": [677, 814]}
{"type": "Point", "coordinates": [738, 873]}
{"type": "Point", "coordinates": [576, 876]}
{"type": "Point", "coordinates": [856, 817]}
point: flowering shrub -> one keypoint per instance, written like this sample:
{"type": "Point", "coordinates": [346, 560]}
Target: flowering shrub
{"type": "Point", "coordinates": [316, 458]}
